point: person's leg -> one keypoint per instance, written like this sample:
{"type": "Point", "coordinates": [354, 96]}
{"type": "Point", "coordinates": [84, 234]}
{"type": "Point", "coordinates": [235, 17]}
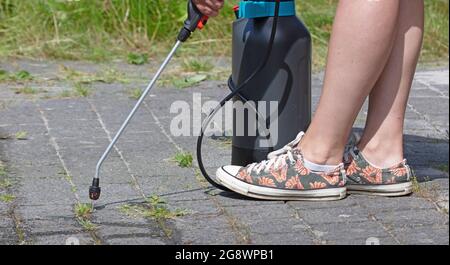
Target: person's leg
{"type": "Point", "coordinates": [382, 141]}
{"type": "Point", "coordinates": [362, 39]}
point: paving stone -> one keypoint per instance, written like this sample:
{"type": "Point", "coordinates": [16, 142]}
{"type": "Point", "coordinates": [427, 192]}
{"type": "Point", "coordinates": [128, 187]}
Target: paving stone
{"type": "Point", "coordinates": [71, 134]}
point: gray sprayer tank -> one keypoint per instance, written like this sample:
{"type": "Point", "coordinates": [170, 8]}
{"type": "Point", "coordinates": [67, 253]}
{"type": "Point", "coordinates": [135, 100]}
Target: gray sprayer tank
{"type": "Point", "coordinates": [285, 79]}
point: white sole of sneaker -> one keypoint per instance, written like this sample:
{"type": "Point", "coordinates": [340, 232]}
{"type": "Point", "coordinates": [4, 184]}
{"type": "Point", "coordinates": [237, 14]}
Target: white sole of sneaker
{"type": "Point", "coordinates": [267, 193]}
{"type": "Point", "coordinates": [392, 190]}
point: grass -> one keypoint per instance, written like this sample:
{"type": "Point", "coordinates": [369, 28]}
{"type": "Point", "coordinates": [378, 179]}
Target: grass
{"type": "Point", "coordinates": [135, 93]}
{"type": "Point", "coordinates": [131, 29]}
{"type": "Point", "coordinates": [415, 185]}
{"type": "Point", "coordinates": [7, 198]}
{"type": "Point", "coordinates": [26, 90]}
{"type": "Point", "coordinates": [185, 81]}
{"type": "Point", "coordinates": [443, 167]}
{"type": "Point", "coordinates": [87, 224]}
{"type": "Point", "coordinates": [195, 65]}
{"type": "Point", "coordinates": [81, 90]}
{"type": "Point", "coordinates": [137, 58]}
{"type": "Point", "coordinates": [5, 183]}
{"type": "Point", "coordinates": [23, 75]}
{"type": "Point", "coordinates": [65, 94]}
{"type": "Point", "coordinates": [83, 212]}
{"type": "Point", "coordinates": [18, 76]}
{"type": "Point", "coordinates": [2, 169]}
{"type": "Point", "coordinates": [22, 135]}
{"type": "Point", "coordinates": [154, 208]}
{"type": "Point", "coordinates": [108, 76]}
{"type": "Point", "coordinates": [183, 159]}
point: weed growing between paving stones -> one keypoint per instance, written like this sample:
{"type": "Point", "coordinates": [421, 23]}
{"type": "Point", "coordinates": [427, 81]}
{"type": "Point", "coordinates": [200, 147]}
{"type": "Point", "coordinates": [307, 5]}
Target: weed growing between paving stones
{"type": "Point", "coordinates": [65, 94]}
{"type": "Point", "coordinates": [107, 76]}
{"type": "Point", "coordinates": [135, 93]}
{"type": "Point", "coordinates": [2, 169]}
{"type": "Point", "coordinates": [81, 90]}
{"type": "Point", "coordinates": [153, 208]}
{"type": "Point", "coordinates": [137, 58]}
{"type": "Point", "coordinates": [224, 141]}
{"type": "Point", "coordinates": [26, 90]}
{"type": "Point", "coordinates": [7, 198]}
{"type": "Point", "coordinates": [443, 167]}
{"type": "Point", "coordinates": [83, 212]}
{"type": "Point", "coordinates": [196, 66]}
{"type": "Point", "coordinates": [415, 184]}
{"type": "Point", "coordinates": [5, 183]}
{"type": "Point", "coordinates": [21, 75]}
{"type": "Point", "coordinates": [183, 159]}
{"type": "Point", "coordinates": [3, 75]}
{"type": "Point", "coordinates": [188, 81]}
{"type": "Point", "coordinates": [22, 135]}
{"type": "Point", "coordinates": [430, 192]}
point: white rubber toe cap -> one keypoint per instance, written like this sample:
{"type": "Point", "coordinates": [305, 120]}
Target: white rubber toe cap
{"type": "Point", "coordinates": [229, 170]}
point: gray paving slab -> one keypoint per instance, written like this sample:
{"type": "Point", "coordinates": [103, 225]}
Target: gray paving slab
{"type": "Point", "coordinates": [53, 168]}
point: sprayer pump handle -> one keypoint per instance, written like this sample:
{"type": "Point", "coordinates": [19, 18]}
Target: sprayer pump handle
{"type": "Point", "coordinates": [194, 20]}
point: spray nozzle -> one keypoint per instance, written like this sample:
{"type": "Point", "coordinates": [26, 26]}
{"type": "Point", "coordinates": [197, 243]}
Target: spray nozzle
{"type": "Point", "coordinates": [94, 190]}
{"type": "Point", "coordinates": [195, 20]}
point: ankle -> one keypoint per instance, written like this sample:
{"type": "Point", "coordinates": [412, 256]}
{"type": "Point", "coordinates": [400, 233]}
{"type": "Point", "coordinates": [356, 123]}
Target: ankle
{"type": "Point", "coordinates": [320, 154]}
{"type": "Point", "coordinates": [382, 154]}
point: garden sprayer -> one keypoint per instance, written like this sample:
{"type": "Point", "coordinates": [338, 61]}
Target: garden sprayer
{"type": "Point", "coordinates": [271, 62]}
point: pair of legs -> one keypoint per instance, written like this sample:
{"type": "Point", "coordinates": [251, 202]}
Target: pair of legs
{"type": "Point", "coordinates": [374, 49]}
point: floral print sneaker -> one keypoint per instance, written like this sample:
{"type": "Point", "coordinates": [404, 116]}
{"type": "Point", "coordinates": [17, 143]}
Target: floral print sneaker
{"type": "Point", "coordinates": [284, 177]}
{"type": "Point", "coordinates": [366, 178]}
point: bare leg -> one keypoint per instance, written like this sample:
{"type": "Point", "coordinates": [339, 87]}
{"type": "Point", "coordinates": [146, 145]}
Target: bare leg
{"type": "Point", "coordinates": [382, 141]}
{"type": "Point", "coordinates": [361, 41]}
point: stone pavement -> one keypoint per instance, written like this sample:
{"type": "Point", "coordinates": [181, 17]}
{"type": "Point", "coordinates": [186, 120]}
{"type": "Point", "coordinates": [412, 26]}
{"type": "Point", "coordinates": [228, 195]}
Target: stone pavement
{"type": "Point", "coordinates": [47, 173]}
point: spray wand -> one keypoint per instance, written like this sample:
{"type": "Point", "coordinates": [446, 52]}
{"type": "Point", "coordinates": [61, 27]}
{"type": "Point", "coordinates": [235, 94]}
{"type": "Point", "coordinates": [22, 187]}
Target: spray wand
{"type": "Point", "coordinates": [195, 20]}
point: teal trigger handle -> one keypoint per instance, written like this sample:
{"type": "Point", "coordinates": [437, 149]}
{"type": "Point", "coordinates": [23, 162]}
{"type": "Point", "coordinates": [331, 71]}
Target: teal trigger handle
{"type": "Point", "coordinates": [195, 20]}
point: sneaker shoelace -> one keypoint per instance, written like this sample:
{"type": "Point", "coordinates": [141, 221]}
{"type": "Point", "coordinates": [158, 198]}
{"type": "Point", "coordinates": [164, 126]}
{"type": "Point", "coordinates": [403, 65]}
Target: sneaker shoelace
{"type": "Point", "coordinates": [273, 163]}
{"type": "Point", "coordinates": [289, 147]}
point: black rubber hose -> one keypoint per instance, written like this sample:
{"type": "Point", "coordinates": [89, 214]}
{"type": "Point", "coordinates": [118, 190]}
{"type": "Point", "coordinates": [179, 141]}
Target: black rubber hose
{"type": "Point", "coordinates": [231, 95]}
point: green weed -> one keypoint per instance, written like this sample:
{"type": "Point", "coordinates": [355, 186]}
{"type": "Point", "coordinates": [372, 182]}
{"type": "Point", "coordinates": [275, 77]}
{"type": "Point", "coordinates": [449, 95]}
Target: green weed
{"type": "Point", "coordinates": [194, 65]}
{"type": "Point", "coordinates": [83, 210]}
{"type": "Point", "coordinates": [23, 75]}
{"type": "Point", "coordinates": [443, 167]}
{"type": "Point", "coordinates": [183, 159]}
{"type": "Point", "coordinates": [81, 90]}
{"type": "Point", "coordinates": [22, 135]}
{"type": "Point", "coordinates": [153, 208]}
{"type": "Point", "coordinates": [7, 198]}
{"type": "Point", "coordinates": [135, 93]}
{"type": "Point", "coordinates": [137, 58]}
{"type": "Point", "coordinates": [26, 90]}
{"type": "Point", "coordinates": [188, 81]}
{"type": "Point", "coordinates": [65, 94]}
